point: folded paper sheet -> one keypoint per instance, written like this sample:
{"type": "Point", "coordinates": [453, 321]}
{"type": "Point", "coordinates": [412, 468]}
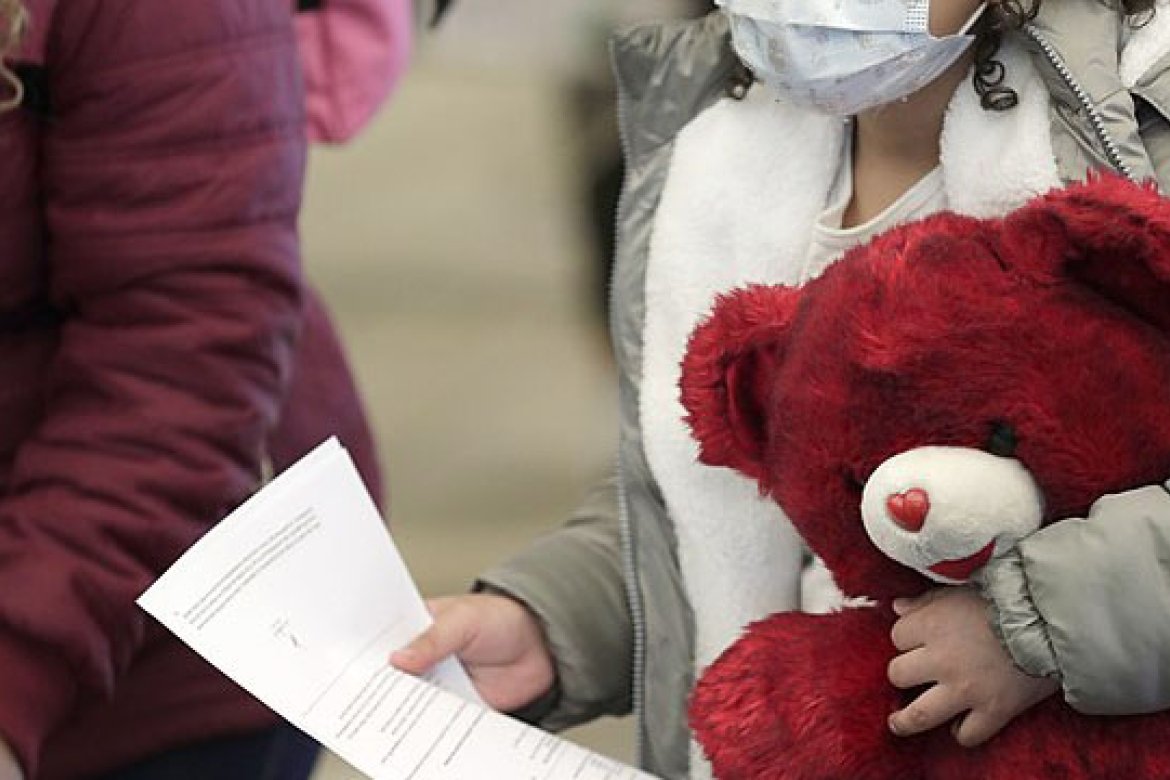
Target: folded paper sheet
{"type": "Point", "coordinates": [300, 596]}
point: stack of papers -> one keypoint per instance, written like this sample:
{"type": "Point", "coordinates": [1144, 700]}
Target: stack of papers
{"type": "Point", "coordinates": [300, 596]}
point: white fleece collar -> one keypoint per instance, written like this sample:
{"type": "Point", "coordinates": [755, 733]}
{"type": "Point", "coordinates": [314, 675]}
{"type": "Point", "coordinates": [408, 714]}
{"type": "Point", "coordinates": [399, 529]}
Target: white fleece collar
{"type": "Point", "coordinates": [995, 161]}
{"type": "Point", "coordinates": [747, 179]}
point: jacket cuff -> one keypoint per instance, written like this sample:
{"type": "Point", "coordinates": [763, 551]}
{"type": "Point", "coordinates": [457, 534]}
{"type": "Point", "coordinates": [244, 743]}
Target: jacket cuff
{"type": "Point", "coordinates": [571, 624]}
{"type": "Point", "coordinates": [36, 694]}
{"type": "Point", "coordinates": [1014, 617]}
{"type": "Point", "coordinates": [541, 706]}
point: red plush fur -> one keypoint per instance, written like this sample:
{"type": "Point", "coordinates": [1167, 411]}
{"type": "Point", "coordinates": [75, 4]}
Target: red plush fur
{"type": "Point", "coordinates": [1053, 321]}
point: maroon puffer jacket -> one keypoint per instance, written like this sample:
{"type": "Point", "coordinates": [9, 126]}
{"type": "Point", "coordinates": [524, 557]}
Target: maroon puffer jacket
{"type": "Point", "coordinates": [150, 306]}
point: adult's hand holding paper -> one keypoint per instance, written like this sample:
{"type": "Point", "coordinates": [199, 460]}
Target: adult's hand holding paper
{"type": "Point", "coordinates": [300, 596]}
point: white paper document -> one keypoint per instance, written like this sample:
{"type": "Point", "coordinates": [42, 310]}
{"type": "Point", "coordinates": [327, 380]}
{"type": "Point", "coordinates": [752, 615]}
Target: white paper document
{"type": "Point", "coordinates": [300, 596]}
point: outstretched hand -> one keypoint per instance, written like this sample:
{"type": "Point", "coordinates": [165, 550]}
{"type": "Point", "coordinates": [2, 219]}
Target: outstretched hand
{"type": "Point", "coordinates": [945, 641]}
{"type": "Point", "coordinates": [499, 641]}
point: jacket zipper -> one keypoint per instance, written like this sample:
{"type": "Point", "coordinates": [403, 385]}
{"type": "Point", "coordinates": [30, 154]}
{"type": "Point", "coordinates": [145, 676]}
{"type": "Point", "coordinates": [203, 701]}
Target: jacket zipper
{"type": "Point", "coordinates": [1096, 121]}
{"type": "Point", "coordinates": [629, 557]}
{"type": "Point", "coordinates": [637, 616]}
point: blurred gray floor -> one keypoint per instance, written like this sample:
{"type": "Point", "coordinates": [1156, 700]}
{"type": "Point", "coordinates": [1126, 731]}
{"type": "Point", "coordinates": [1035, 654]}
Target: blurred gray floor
{"type": "Point", "coordinates": [451, 246]}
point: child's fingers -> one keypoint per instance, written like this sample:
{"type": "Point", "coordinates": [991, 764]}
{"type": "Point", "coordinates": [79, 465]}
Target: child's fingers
{"type": "Point", "coordinates": [911, 669]}
{"type": "Point", "coordinates": [906, 606]}
{"type": "Point", "coordinates": [451, 632]}
{"type": "Point", "coordinates": [933, 708]}
{"type": "Point", "coordinates": [977, 727]}
{"type": "Point", "coordinates": [420, 655]}
{"type": "Point", "coordinates": [908, 633]}
{"type": "Point", "coordinates": [1013, 695]}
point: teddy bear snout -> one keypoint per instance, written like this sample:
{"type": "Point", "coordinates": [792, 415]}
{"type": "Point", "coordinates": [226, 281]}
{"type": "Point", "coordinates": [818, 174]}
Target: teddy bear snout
{"type": "Point", "coordinates": [946, 510]}
{"type": "Point", "coordinates": [909, 508]}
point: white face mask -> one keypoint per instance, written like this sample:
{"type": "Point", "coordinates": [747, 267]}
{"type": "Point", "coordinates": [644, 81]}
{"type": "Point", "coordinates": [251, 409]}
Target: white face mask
{"type": "Point", "coordinates": [843, 56]}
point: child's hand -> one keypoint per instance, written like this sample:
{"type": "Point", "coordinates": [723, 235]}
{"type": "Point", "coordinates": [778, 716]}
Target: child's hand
{"type": "Point", "coordinates": [497, 638]}
{"type": "Point", "coordinates": [944, 638]}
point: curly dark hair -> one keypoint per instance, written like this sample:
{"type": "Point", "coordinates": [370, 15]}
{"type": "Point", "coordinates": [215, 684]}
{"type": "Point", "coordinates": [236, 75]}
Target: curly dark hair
{"type": "Point", "coordinates": [1008, 15]}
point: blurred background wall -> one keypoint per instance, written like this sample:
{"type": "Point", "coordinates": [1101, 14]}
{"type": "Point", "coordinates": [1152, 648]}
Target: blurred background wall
{"type": "Point", "coordinates": [458, 243]}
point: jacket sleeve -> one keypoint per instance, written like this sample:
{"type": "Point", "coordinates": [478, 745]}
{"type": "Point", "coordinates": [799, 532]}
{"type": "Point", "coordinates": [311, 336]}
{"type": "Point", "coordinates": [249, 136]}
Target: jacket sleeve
{"type": "Point", "coordinates": [572, 580]}
{"type": "Point", "coordinates": [171, 176]}
{"type": "Point", "coordinates": [1085, 600]}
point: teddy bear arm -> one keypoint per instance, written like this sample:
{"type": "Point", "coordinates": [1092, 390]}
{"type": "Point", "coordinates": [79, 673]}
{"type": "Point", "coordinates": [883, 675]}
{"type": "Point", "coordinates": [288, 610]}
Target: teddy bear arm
{"type": "Point", "coordinates": [804, 696]}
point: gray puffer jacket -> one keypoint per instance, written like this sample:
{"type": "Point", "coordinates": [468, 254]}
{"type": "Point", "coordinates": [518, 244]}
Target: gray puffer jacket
{"type": "Point", "coordinates": [1083, 599]}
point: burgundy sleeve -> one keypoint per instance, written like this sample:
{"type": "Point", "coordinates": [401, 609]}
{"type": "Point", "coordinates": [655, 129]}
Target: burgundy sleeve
{"type": "Point", "coordinates": [171, 169]}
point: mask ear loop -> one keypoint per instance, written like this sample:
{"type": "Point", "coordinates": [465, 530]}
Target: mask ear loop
{"type": "Point", "coordinates": [966, 28]}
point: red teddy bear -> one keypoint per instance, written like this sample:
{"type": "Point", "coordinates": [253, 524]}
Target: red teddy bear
{"type": "Point", "coordinates": [930, 400]}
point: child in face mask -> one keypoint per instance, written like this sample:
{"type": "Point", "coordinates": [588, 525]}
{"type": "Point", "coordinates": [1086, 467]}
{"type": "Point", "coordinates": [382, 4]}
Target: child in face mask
{"type": "Point", "coordinates": [934, 105]}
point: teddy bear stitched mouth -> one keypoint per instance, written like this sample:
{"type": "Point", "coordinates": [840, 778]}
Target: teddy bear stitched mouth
{"type": "Point", "coordinates": [961, 569]}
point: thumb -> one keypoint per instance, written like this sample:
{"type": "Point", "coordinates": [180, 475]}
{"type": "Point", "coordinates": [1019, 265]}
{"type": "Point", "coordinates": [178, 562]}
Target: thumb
{"type": "Point", "coordinates": [447, 636]}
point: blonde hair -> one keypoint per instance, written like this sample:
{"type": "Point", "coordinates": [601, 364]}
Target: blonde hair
{"type": "Point", "coordinates": [13, 22]}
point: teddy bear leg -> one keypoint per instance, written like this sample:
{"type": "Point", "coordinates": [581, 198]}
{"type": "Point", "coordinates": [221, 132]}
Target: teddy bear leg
{"type": "Point", "coordinates": [804, 696]}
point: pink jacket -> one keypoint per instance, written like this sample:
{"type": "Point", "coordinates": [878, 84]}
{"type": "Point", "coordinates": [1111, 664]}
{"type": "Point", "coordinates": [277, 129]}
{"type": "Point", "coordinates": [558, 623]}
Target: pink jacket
{"type": "Point", "coordinates": [157, 347]}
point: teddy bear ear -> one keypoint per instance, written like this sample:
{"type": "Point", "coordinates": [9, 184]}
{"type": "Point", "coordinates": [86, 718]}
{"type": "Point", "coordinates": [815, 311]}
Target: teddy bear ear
{"type": "Point", "coordinates": [727, 372]}
{"type": "Point", "coordinates": [1108, 233]}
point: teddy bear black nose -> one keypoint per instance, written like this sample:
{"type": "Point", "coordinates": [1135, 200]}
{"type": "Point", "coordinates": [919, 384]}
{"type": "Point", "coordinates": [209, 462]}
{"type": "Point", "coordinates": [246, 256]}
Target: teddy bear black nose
{"type": "Point", "coordinates": [909, 508]}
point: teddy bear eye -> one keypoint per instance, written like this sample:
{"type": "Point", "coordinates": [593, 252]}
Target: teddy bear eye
{"type": "Point", "coordinates": [852, 481]}
{"type": "Point", "coordinates": [1002, 440]}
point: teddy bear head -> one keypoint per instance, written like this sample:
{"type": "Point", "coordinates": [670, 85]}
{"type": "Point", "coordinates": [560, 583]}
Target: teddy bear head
{"type": "Point", "coordinates": [950, 387]}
